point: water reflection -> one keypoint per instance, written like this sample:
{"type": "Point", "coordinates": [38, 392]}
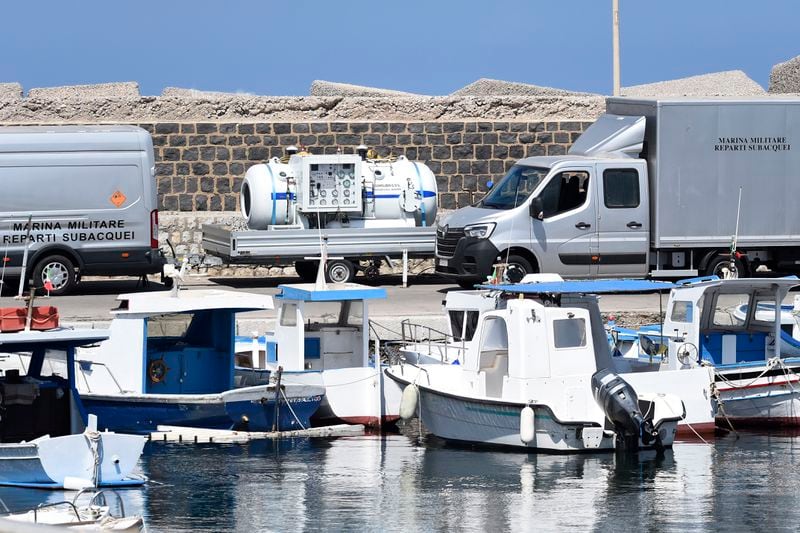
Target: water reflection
{"type": "Point", "coordinates": [398, 482]}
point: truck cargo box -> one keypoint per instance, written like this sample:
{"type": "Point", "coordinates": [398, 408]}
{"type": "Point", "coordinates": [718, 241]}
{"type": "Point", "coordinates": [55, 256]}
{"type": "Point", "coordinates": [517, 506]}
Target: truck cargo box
{"type": "Point", "coordinates": [700, 152]}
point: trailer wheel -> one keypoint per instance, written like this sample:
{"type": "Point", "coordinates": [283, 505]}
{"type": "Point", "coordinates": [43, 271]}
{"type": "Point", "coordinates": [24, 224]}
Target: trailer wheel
{"type": "Point", "coordinates": [340, 271]}
{"type": "Point", "coordinates": [721, 266]}
{"type": "Point", "coordinates": [306, 270]}
{"type": "Point", "coordinates": [59, 270]}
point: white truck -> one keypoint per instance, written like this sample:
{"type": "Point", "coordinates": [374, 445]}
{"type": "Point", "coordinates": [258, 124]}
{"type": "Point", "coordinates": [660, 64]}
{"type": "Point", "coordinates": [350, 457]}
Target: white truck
{"type": "Point", "coordinates": [76, 200]}
{"type": "Point", "coordinates": [367, 209]}
{"type": "Point", "coordinates": [651, 188]}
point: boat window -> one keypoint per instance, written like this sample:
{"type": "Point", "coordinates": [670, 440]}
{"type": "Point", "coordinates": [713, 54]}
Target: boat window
{"type": "Point", "coordinates": [565, 192]}
{"type": "Point", "coordinates": [355, 313]}
{"type": "Point", "coordinates": [569, 333]}
{"type": "Point", "coordinates": [471, 325]}
{"type": "Point", "coordinates": [765, 310]}
{"type": "Point", "coordinates": [682, 311]}
{"type": "Point", "coordinates": [456, 324]}
{"type": "Point", "coordinates": [289, 315]}
{"type": "Point", "coordinates": [727, 310]}
{"type": "Point", "coordinates": [169, 325]}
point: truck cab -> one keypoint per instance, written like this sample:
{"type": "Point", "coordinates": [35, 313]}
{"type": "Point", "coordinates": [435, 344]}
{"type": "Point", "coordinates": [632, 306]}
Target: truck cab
{"type": "Point", "coordinates": [584, 214]}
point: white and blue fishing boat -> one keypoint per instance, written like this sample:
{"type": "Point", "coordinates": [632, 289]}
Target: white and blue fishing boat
{"type": "Point", "coordinates": [538, 375]}
{"type": "Point", "coordinates": [170, 361]}
{"type": "Point", "coordinates": [47, 439]}
{"type": "Point", "coordinates": [321, 338]}
{"type": "Point", "coordinates": [731, 325]}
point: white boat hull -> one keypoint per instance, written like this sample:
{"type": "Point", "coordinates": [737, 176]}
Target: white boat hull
{"type": "Point", "coordinates": [50, 462]}
{"type": "Point", "coordinates": [769, 400]}
{"type": "Point", "coordinates": [353, 395]}
{"type": "Point", "coordinates": [485, 421]}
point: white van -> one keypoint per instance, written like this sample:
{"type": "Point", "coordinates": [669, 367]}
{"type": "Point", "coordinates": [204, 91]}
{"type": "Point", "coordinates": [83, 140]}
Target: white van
{"type": "Point", "coordinates": [81, 199]}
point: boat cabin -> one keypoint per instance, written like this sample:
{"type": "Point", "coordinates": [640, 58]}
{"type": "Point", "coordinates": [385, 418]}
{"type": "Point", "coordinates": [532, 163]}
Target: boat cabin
{"type": "Point", "coordinates": [730, 322]}
{"type": "Point", "coordinates": [321, 329]}
{"type": "Point", "coordinates": [169, 343]}
{"type": "Point", "coordinates": [546, 341]}
{"type": "Point", "coordinates": [35, 399]}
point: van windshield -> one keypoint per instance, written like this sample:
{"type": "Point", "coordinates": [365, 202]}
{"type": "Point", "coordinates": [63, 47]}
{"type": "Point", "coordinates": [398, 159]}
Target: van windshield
{"type": "Point", "coordinates": [514, 188]}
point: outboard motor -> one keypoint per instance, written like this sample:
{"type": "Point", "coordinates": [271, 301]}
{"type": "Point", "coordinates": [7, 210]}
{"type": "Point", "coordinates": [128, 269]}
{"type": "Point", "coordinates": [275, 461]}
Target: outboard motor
{"type": "Point", "coordinates": [621, 406]}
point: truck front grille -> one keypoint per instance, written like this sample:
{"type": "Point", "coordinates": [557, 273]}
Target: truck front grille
{"type": "Point", "coordinates": [446, 241]}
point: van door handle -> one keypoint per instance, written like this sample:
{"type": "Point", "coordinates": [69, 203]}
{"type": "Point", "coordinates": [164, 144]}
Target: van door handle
{"type": "Point", "coordinates": [583, 225]}
{"type": "Point", "coordinates": [634, 225]}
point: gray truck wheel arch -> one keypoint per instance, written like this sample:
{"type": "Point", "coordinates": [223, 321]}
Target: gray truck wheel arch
{"type": "Point", "coordinates": [523, 252]}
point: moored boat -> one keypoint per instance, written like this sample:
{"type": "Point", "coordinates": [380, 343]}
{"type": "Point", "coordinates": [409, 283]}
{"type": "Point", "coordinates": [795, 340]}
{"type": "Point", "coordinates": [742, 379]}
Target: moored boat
{"type": "Point", "coordinates": [538, 375]}
{"type": "Point", "coordinates": [170, 361]}
{"type": "Point", "coordinates": [48, 440]}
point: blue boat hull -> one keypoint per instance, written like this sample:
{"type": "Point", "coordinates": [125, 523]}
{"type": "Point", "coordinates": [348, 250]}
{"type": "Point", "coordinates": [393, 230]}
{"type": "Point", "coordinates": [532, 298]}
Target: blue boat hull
{"type": "Point", "coordinates": [143, 413]}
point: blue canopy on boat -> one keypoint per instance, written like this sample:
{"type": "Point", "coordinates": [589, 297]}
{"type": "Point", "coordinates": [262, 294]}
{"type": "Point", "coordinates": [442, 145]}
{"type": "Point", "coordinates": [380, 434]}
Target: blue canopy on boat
{"type": "Point", "coordinates": [584, 287]}
{"type": "Point", "coordinates": [307, 292]}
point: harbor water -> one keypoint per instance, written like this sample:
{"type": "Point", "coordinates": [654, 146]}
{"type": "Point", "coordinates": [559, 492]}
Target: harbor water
{"type": "Point", "coordinates": [398, 482]}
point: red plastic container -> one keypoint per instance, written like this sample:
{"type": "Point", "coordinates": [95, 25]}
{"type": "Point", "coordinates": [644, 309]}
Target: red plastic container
{"type": "Point", "coordinates": [13, 318]}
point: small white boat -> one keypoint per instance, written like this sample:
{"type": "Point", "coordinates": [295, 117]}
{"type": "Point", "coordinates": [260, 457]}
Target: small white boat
{"type": "Point", "coordinates": [47, 439]}
{"type": "Point", "coordinates": [321, 338]}
{"type": "Point", "coordinates": [537, 376]}
{"type": "Point", "coordinates": [95, 515]}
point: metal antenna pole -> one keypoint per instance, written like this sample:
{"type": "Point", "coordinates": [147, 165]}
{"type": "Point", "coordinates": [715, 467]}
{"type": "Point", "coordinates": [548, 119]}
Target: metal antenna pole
{"type": "Point", "coordinates": [615, 43]}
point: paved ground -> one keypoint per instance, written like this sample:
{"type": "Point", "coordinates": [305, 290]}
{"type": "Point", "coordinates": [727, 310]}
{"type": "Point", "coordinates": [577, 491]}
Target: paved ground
{"type": "Point", "coordinates": [421, 301]}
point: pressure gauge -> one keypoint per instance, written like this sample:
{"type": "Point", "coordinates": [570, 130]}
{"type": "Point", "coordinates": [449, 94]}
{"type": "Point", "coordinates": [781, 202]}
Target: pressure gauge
{"type": "Point", "coordinates": [346, 183]}
{"type": "Point", "coordinates": [334, 193]}
{"type": "Point", "coordinates": [323, 193]}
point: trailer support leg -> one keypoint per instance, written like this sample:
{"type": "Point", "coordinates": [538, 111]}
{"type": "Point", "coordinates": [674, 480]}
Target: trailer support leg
{"type": "Point", "coordinates": [405, 268]}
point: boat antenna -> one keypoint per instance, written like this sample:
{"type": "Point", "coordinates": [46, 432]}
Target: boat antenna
{"type": "Point", "coordinates": [28, 244]}
{"type": "Point", "coordinates": [3, 271]}
{"type": "Point", "coordinates": [732, 273]}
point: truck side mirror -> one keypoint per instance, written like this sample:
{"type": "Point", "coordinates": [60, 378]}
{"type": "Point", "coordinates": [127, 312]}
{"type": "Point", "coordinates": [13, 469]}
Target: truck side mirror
{"type": "Point", "coordinates": [537, 208]}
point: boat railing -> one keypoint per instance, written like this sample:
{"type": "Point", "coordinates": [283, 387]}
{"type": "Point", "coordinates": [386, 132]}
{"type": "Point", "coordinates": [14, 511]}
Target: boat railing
{"type": "Point", "coordinates": [82, 364]}
{"type": "Point", "coordinates": [99, 498]}
{"type": "Point", "coordinates": [435, 340]}
{"type": "Point", "coordinates": [43, 506]}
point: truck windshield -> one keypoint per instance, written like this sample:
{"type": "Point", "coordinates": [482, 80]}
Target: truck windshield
{"type": "Point", "coordinates": [514, 188]}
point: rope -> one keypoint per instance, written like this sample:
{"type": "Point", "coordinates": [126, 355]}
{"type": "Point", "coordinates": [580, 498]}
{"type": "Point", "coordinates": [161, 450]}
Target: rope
{"type": "Point", "coordinates": [289, 405]}
{"type": "Point", "coordinates": [771, 364]}
{"type": "Point", "coordinates": [716, 395]}
{"type": "Point", "coordinates": [95, 443]}
{"type": "Point", "coordinates": [696, 434]}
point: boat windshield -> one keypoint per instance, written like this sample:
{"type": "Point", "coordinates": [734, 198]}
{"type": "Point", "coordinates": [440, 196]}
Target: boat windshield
{"type": "Point", "coordinates": [514, 188]}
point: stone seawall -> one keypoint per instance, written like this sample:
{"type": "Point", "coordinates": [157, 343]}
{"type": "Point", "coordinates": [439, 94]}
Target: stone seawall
{"type": "Point", "coordinates": [200, 166]}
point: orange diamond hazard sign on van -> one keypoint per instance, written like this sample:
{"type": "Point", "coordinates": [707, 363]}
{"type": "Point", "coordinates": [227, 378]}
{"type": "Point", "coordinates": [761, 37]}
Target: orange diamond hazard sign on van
{"type": "Point", "coordinates": [118, 198]}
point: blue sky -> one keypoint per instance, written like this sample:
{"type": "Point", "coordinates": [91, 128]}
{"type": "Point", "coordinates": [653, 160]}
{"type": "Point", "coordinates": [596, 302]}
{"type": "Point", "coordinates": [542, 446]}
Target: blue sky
{"type": "Point", "coordinates": [424, 46]}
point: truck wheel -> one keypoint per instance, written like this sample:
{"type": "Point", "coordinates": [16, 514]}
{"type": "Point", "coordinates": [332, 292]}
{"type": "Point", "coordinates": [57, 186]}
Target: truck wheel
{"type": "Point", "coordinates": [340, 271]}
{"type": "Point", "coordinates": [518, 268]}
{"type": "Point", "coordinates": [721, 266]}
{"type": "Point", "coordinates": [306, 270]}
{"type": "Point", "coordinates": [59, 270]}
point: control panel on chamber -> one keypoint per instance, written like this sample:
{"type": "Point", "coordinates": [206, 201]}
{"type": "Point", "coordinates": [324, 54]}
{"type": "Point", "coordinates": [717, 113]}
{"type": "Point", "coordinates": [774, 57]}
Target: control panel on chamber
{"type": "Point", "coordinates": [330, 183]}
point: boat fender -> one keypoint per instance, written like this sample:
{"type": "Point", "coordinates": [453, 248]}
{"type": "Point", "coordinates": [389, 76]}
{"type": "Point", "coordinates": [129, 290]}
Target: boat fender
{"type": "Point", "coordinates": [408, 403]}
{"type": "Point", "coordinates": [526, 425]}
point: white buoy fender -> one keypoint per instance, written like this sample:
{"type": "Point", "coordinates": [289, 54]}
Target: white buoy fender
{"type": "Point", "coordinates": [408, 403]}
{"type": "Point", "coordinates": [526, 427]}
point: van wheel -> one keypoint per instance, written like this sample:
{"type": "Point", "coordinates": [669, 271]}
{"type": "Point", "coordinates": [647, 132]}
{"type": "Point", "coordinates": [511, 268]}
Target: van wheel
{"type": "Point", "coordinates": [468, 283]}
{"type": "Point", "coordinates": [518, 268]}
{"type": "Point", "coordinates": [340, 271]}
{"type": "Point", "coordinates": [59, 271]}
{"type": "Point", "coordinates": [721, 266]}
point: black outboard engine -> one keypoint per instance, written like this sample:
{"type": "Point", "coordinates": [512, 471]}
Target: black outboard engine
{"type": "Point", "coordinates": [621, 406]}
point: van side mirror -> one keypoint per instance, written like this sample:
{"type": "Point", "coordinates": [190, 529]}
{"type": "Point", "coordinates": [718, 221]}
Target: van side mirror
{"type": "Point", "coordinates": [537, 208]}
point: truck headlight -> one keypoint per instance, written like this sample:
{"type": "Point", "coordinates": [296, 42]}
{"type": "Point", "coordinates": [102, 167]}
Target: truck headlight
{"type": "Point", "coordinates": [479, 231]}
